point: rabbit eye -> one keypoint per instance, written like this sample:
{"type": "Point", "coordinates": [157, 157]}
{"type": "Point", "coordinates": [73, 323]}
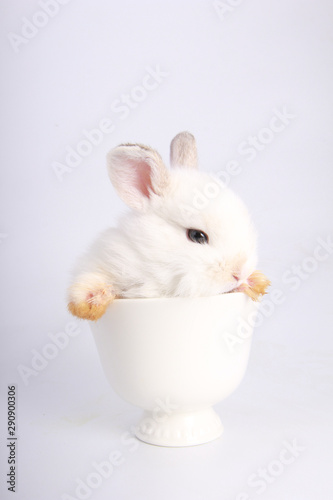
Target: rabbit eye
{"type": "Point", "coordinates": [197, 236]}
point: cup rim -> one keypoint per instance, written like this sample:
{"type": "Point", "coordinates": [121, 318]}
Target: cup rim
{"type": "Point", "coordinates": [222, 296]}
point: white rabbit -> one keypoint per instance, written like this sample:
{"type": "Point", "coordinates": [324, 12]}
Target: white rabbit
{"type": "Point", "coordinates": [186, 235]}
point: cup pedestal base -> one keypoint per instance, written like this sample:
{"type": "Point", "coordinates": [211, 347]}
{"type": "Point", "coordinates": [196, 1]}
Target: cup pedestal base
{"type": "Point", "coordinates": [180, 428]}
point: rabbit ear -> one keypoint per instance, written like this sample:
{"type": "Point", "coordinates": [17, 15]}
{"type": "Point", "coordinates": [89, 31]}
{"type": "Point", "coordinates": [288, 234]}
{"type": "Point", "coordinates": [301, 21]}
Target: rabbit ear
{"type": "Point", "coordinates": [183, 151]}
{"type": "Point", "coordinates": [136, 171]}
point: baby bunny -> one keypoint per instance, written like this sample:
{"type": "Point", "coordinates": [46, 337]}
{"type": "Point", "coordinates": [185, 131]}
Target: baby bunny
{"type": "Point", "coordinates": [187, 234]}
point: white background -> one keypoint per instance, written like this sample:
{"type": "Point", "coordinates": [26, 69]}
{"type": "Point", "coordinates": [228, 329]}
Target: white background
{"type": "Point", "coordinates": [226, 74]}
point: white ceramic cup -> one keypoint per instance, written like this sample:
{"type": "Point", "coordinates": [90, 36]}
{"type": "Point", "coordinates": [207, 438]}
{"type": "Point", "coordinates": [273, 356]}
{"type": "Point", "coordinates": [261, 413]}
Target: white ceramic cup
{"type": "Point", "coordinates": [176, 358]}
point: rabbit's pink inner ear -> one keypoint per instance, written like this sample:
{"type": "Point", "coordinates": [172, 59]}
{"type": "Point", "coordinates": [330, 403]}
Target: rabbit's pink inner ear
{"type": "Point", "coordinates": [136, 171]}
{"type": "Point", "coordinates": [142, 178]}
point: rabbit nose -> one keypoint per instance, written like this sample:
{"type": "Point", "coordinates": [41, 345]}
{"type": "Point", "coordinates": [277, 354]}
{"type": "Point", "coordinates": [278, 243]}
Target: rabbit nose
{"type": "Point", "coordinates": [235, 277]}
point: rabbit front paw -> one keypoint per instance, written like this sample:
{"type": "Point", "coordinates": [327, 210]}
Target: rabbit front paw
{"type": "Point", "coordinates": [89, 300]}
{"type": "Point", "coordinates": [256, 286]}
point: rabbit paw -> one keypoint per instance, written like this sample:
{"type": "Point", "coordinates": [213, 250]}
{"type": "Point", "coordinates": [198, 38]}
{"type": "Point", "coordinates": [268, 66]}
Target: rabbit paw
{"type": "Point", "coordinates": [89, 301]}
{"type": "Point", "coordinates": [256, 285]}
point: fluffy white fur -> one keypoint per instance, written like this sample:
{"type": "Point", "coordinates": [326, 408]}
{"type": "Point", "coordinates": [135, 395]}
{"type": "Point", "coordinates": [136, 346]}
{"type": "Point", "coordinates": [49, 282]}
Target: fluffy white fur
{"type": "Point", "coordinates": [149, 253]}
